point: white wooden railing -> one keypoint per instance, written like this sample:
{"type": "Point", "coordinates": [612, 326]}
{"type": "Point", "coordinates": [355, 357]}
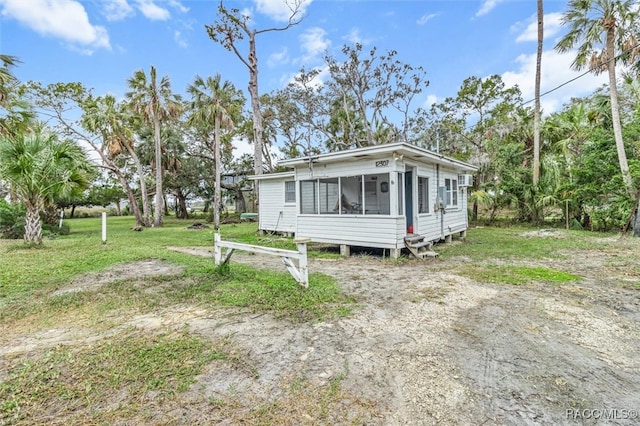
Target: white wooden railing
{"type": "Point", "coordinates": [299, 272]}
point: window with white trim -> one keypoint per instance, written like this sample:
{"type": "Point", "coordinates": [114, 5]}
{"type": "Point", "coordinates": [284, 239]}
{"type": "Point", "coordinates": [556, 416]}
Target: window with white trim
{"type": "Point", "coordinates": [400, 186]}
{"type": "Point", "coordinates": [451, 186]}
{"type": "Point", "coordinates": [290, 191]}
{"type": "Point", "coordinates": [423, 195]}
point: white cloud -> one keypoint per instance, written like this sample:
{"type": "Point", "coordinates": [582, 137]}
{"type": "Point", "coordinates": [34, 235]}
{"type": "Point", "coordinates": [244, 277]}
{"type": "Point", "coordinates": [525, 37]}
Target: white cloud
{"type": "Point", "coordinates": [280, 10]}
{"type": "Point", "coordinates": [179, 6]}
{"type": "Point", "coordinates": [487, 6]}
{"type": "Point", "coordinates": [431, 99]}
{"type": "Point", "coordinates": [179, 39]}
{"type": "Point", "coordinates": [92, 154]}
{"type": "Point", "coordinates": [317, 81]}
{"type": "Point", "coordinates": [314, 42]}
{"type": "Point", "coordinates": [117, 10]}
{"type": "Point", "coordinates": [278, 58]}
{"type": "Point", "coordinates": [152, 11]}
{"type": "Point", "coordinates": [248, 13]}
{"type": "Point", "coordinates": [426, 18]}
{"type": "Point", "coordinates": [354, 37]}
{"type": "Point", "coordinates": [62, 19]}
{"type": "Point", "coordinates": [241, 146]}
{"type": "Point", "coordinates": [552, 26]}
{"type": "Point", "coordinates": [556, 70]}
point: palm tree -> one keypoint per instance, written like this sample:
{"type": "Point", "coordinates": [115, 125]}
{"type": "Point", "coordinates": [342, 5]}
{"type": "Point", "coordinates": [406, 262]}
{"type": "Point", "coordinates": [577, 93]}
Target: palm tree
{"type": "Point", "coordinates": [154, 102]}
{"type": "Point", "coordinates": [604, 32]}
{"type": "Point", "coordinates": [6, 77]}
{"type": "Point", "coordinates": [16, 114]}
{"type": "Point", "coordinates": [39, 168]}
{"type": "Point", "coordinates": [536, 119]}
{"type": "Point", "coordinates": [104, 116]}
{"type": "Point", "coordinates": [214, 105]}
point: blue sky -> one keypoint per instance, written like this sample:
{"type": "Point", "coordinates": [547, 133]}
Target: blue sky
{"type": "Point", "coordinates": [102, 42]}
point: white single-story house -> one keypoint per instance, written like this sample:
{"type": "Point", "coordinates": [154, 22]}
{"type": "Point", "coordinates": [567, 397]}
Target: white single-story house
{"type": "Point", "coordinates": [391, 196]}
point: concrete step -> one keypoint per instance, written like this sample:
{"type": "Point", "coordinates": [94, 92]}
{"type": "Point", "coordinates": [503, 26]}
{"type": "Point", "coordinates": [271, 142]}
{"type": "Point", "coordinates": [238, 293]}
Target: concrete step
{"type": "Point", "coordinates": [412, 238]}
{"type": "Point", "coordinates": [424, 243]}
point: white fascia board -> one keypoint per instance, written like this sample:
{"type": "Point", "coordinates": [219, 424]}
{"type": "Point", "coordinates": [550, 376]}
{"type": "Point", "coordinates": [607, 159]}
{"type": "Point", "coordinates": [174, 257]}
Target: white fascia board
{"type": "Point", "coordinates": [400, 148]}
{"type": "Point", "coordinates": [281, 175]}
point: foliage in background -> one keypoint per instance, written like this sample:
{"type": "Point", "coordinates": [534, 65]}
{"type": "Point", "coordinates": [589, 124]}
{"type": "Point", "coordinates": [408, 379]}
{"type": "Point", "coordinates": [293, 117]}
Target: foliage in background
{"type": "Point", "coordinates": [11, 219]}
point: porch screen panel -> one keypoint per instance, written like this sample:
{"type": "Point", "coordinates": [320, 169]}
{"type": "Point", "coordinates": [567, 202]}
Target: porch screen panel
{"type": "Point", "coordinates": [351, 194]}
{"type": "Point", "coordinates": [376, 194]}
{"type": "Point", "coordinates": [328, 191]}
{"type": "Point", "coordinates": [308, 197]}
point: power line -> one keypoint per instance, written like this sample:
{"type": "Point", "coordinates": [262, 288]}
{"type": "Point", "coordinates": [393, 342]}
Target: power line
{"type": "Point", "coordinates": [583, 74]}
{"type": "Point", "coordinates": [557, 87]}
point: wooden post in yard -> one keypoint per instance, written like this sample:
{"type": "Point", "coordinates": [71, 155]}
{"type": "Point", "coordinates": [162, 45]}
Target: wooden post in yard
{"type": "Point", "coordinates": [301, 244]}
{"type": "Point", "coordinates": [104, 228]}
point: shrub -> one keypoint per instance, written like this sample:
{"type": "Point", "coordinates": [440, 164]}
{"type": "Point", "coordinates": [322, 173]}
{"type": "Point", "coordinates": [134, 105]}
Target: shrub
{"type": "Point", "coordinates": [12, 217]}
{"type": "Point", "coordinates": [52, 231]}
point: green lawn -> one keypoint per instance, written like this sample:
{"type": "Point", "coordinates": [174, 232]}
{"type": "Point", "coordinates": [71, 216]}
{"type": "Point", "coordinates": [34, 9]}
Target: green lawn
{"type": "Point", "coordinates": [129, 372]}
{"type": "Point", "coordinates": [31, 273]}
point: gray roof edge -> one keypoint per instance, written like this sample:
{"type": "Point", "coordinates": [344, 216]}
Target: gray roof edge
{"type": "Point", "coordinates": [272, 175]}
{"type": "Point", "coordinates": [381, 149]}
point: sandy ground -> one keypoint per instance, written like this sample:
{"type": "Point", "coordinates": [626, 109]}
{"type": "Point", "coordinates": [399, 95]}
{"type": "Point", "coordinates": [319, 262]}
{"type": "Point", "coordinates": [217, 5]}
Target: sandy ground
{"type": "Point", "coordinates": [426, 346]}
{"type": "Point", "coordinates": [436, 348]}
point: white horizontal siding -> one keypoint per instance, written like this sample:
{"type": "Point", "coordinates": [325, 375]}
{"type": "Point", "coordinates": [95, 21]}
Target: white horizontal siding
{"type": "Point", "coordinates": [366, 231]}
{"type": "Point", "coordinates": [429, 226]}
{"type": "Point", "coordinates": [275, 215]}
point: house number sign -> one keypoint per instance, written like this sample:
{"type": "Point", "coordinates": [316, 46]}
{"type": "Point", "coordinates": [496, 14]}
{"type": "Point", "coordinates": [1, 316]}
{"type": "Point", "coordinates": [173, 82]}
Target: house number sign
{"type": "Point", "coordinates": [382, 163]}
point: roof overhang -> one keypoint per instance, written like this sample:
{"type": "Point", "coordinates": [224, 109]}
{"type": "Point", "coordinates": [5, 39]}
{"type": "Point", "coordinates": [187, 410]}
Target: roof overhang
{"type": "Point", "coordinates": [281, 175]}
{"type": "Point", "coordinates": [399, 150]}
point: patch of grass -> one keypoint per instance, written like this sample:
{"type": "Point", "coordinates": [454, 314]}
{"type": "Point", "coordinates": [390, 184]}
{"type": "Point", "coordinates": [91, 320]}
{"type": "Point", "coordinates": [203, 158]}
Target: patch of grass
{"type": "Point", "coordinates": [512, 243]}
{"type": "Point", "coordinates": [273, 291]}
{"type": "Point", "coordinates": [432, 294]}
{"type": "Point", "coordinates": [98, 380]}
{"type": "Point", "coordinates": [24, 271]}
{"type": "Point", "coordinates": [516, 275]}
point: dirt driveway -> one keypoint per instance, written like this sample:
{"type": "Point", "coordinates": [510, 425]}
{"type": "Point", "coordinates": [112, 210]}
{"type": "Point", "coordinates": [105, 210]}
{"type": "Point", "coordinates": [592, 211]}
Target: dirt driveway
{"type": "Point", "coordinates": [425, 346]}
{"type": "Point", "coordinates": [431, 347]}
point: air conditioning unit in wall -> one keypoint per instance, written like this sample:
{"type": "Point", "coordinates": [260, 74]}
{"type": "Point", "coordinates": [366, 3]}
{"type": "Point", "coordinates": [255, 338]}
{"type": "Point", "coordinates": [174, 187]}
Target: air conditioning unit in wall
{"type": "Point", "coordinates": [465, 180]}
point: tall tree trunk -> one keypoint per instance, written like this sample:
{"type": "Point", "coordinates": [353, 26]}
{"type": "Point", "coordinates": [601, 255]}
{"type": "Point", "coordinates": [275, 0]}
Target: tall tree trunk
{"type": "Point", "coordinates": [217, 193]}
{"type": "Point", "coordinates": [33, 226]}
{"type": "Point", "coordinates": [143, 186]}
{"type": "Point", "coordinates": [536, 117]}
{"type": "Point", "coordinates": [241, 205]}
{"type": "Point", "coordinates": [182, 205]}
{"type": "Point", "coordinates": [159, 208]}
{"type": "Point", "coordinates": [617, 126]}
{"type": "Point", "coordinates": [615, 115]}
{"type": "Point", "coordinates": [257, 114]}
{"type": "Point", "coordinates": [133, 203]}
